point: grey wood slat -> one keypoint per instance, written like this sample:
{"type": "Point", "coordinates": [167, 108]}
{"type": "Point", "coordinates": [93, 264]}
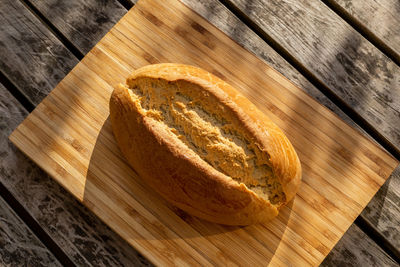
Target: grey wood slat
{"type": "Point", "coordinates": [381, 17]}
{"type": "Point", "coordinates": [18, 245]}
{"type": "Point", "coordinates": [345, 61]}
{"type": "Point", "coordinates": [367, 252]}
{"type": "Point", "coordinates": [84, 23]}
{"type": "Point", "coordinates": [81, 235]}
{"type": "Point", "coordinates": [337, 55]}
{"type": "Point", "coordinates": [30, 56]}
{"type": "Point", "coordinates": [217, 14]}
{"type": "Point", "coordinates": [383, 212]}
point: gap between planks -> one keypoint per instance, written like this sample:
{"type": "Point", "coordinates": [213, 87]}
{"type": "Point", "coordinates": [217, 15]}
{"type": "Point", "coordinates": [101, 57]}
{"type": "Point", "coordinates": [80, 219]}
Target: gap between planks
{"type": "Point", "coordinates": [378, 238]}
{"type": "Point", "coordinates": [53, 29]}
{"type": "Point", "coordinates": [20, 96]}
{"type": "Point", "coordinates": [35, 227]}
{"type": "Point", "coordinates": [10, 86]}
{"type": "Point", "coordinates": [363, 30]}
{"type": "Point", "coordinates": [128, 4]}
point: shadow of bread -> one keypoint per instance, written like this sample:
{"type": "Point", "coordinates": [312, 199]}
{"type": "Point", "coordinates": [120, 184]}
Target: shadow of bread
{"type": "Point", "coordinates": [141, 216]}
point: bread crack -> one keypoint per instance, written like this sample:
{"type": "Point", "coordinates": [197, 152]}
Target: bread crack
{"type": "Point", "coordinates": [213, 132]}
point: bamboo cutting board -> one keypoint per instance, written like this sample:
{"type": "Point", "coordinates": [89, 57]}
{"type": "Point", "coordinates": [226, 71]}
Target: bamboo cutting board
{"type": "Point", "coordinates": [69, 136]}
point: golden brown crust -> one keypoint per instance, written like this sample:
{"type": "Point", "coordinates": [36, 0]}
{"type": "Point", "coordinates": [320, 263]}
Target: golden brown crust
{"type": "Point", "coordinates": [178, 173]}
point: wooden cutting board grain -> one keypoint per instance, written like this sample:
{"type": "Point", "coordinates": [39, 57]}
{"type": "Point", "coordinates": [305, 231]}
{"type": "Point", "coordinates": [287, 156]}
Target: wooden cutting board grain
{"type": "Point", "coordinates": [69, 136]}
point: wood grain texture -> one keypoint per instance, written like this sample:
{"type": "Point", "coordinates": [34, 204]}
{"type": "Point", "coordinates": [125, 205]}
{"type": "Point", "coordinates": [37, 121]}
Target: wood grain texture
{"type": "Point", "coordinates": [341, 58]}
{"type": "Point", "coordinates": [367, 252]}
{"type": "Point", "coordinates": [383, 210]}
{"type": "Point", "coordinates": [84, 158]}
{"type": "Point", "coordinates": [76, 230]}
{"type": "Point", "coordinates": [266, 54]}
{"type": "Point", "coordinates": [381, 17]}
{"type": "Point", "coordinates": [218, 15]}
{"type": "Point", "coordinates": [30, 55]}
{"type": "Point", "coordinates": [74, 26]}
{"type": "Point", "coordinates": [18, 245]}
{"type": "Point", "coordinates": [83, 23]}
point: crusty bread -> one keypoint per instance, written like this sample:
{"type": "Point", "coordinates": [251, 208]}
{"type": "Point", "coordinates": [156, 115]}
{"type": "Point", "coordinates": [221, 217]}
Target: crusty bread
{"type": "Point", "coordinates": [202, 145]}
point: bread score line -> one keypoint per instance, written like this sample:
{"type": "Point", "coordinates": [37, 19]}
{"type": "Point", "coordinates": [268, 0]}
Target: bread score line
{"type": "Point", "coordinates": [202, 145]}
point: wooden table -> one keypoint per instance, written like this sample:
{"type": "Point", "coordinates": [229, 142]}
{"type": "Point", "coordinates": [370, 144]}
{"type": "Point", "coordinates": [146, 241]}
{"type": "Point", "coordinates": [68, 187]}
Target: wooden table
{"type": "Point", "coordinates": [345, 53]}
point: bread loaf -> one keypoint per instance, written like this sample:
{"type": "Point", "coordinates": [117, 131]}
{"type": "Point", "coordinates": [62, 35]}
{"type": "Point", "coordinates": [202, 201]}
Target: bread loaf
{"type": "Point", "coordinates": [202, 145]}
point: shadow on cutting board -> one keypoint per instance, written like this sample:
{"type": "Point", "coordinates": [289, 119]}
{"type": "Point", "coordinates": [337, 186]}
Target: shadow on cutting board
{"type": "Point", "coordinates": [115, 192]}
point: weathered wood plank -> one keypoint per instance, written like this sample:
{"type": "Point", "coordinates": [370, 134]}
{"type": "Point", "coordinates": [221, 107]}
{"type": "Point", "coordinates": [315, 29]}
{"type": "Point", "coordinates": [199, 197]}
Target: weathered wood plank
{"type": "Point", "coordinates": [27, 62]}
{"type": "Point", "coordinates": [84, 23]}
{"type": "Point", "coordinates": [381, 17]}
{"type": "Point", "coordinates": [30, 56]}
{"type": "Point", "coordinates": [384, 210]}
{"type": "Point", "coordinates": [359, 250]}
{"type": "Point", "coordinates": [340, 57]}
{"type": "Point", "coordinates": [18, 245]}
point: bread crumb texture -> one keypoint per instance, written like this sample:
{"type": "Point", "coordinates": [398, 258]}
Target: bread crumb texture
{"type": "Point", "coordinates": [209, 128]}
